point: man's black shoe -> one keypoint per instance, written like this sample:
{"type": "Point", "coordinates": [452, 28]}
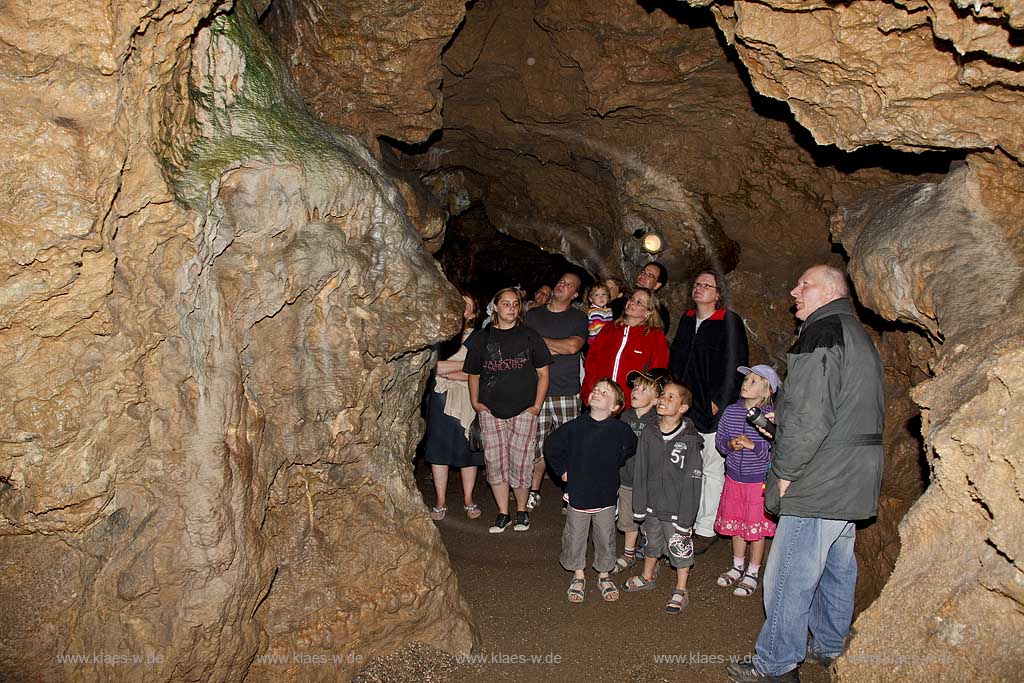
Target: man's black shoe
{"type": "Point", "coordinates": [702, 543]}
{"type": "Point", "coordinates": [824, 661]}
{"type": "Point", "coordinates": [746, 672]}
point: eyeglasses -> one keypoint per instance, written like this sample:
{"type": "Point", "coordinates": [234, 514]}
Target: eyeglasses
{"type": "Point", "coordinates": [639, 302]}
{"type": "Point", "coordinates": [703, 285]}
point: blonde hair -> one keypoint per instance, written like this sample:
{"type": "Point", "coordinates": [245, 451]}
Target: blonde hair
{"type": "Point", "coordinates": [767, 398]}
{"type": "Point", "coordinates": [653, 317]}
{"type": "Point", "coordinates": [644, 381]}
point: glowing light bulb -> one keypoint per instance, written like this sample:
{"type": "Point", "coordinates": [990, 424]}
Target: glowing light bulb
{"type": "Point", "coordinates": [652, 243]}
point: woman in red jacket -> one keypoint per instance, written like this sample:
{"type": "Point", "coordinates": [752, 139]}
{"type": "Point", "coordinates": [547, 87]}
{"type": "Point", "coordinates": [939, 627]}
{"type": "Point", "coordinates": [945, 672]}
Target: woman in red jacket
{"type": "Point", "coordinates": [634, 342]}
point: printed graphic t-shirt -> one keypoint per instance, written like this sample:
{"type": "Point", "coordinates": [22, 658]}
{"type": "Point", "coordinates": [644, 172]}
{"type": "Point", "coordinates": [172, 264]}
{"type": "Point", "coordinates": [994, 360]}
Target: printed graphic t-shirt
{"type": "Point", "coordinates": [507, 362]}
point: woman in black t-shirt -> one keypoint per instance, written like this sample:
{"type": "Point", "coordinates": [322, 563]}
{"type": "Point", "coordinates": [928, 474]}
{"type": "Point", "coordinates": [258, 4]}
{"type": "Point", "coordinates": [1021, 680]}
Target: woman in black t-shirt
{"type": "Point", "coordinates": [508, 380]}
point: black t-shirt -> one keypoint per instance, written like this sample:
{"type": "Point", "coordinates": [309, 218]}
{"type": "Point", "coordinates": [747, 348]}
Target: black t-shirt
{"type": "Point", "coordinates": [565, 371]}
{"type": "Point", "coordinates": [507, 362]}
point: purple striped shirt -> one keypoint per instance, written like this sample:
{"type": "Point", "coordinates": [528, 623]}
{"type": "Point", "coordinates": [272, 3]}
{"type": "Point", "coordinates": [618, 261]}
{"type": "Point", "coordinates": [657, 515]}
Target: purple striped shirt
{"type": "Point", "coordinates": [748, 466]}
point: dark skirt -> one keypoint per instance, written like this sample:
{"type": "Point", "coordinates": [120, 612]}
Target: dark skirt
{"type": "Point", "coordinates": [445, 442]}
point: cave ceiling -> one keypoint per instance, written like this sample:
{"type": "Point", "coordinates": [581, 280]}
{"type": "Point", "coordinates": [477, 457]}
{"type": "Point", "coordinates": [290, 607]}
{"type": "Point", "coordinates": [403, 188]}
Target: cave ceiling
{"type": "Point", "coordinates": [578, 123]}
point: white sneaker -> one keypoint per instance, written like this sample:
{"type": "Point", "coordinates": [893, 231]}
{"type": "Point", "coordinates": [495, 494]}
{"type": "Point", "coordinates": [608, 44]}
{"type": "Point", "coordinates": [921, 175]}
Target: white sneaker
{"type": "Point", "coordinates": [500, 522]}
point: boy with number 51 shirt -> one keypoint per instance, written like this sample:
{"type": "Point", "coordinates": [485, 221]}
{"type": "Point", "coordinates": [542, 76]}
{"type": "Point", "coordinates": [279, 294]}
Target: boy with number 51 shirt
{"type": "Point", "coordinates": [667, 479]}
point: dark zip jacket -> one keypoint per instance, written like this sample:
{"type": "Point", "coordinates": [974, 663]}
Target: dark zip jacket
{"type": "Point", "coordinates": [637, 424]}
{"type": "Point", "coordinates": [667, 475]}
{"type": "Point", "coordinates": [705, 360]}
{"type": "Point", "coordinates": [830, 414]}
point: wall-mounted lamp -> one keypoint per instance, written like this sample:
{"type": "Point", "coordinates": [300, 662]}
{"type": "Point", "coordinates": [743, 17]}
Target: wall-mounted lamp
{"type": "Point", "coordinates": [651, 240]}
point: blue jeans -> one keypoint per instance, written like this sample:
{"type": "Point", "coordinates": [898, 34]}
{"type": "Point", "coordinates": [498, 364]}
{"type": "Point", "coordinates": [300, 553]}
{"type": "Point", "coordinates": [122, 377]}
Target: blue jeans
{"type": "Point", "coordinates": [808, 585]}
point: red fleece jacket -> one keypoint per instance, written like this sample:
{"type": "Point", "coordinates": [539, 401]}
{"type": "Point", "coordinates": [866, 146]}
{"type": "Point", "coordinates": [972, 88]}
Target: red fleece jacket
{"type": "Point", "coordinates": [618, 350]}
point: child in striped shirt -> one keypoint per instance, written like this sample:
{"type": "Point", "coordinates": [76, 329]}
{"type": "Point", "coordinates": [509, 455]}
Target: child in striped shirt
{"type": "Point", "coordinates": [747, 456]}
{"type": "Point", "coordinates": [598, 313]}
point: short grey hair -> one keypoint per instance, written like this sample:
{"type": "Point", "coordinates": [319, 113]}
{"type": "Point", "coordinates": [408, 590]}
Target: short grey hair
{"type": "Point", "coordinates": [837, 279]}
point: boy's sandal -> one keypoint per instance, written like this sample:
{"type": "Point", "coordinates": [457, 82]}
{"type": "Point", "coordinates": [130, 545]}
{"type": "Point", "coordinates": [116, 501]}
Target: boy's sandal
{"type": "Point", "coordinates": [747, 585]}
{"type": "Point", "coordinates": [472, 511]}
{"type": "Point", "coordinates": [635, 584]}
{"type": "Point", "coordinates": [608, 590]}
{"type": "Point", "coordinates": [729, 578]}
{"type": "Point", "coordinates": [623, 563]}
{"type": "Point", "coordinates": [678, 602]}
{"type": "Point", "coordinates": [575, 592]}
{"type": "Point", "coordinates": [437, 514]}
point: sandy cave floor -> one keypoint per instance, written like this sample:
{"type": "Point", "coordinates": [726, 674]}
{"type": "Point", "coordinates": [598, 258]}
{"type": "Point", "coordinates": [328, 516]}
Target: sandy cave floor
{"type": "Point", "coordinates": [515, 588]}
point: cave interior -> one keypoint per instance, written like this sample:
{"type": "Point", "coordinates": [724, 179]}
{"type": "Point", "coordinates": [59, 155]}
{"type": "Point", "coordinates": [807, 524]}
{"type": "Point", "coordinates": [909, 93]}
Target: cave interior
{"type": "Point", "coordinates": [244, 224]}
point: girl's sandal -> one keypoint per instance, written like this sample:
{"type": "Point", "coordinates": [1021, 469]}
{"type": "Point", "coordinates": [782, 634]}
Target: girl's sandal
{"type": "Point", "coordinates": [635, 584]}
{"type": "Point", "coordinates": [729, 578]}
{"type": "Point", "coordinates": [747, 585]}
{"type": "Point", "coordinates": [437, 514]}
{"type": "Point", "coordinates": [679, 601]}
{"type": "Point", "coordinates": [608, 590]}
{"type": "Point", "coordinates": [575, 592]}
{"type": "Point", "coordinates": [472, 511]}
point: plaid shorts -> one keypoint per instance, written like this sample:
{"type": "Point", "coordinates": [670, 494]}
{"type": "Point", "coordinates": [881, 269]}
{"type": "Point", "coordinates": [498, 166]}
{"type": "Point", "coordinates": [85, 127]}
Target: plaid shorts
{"type": "Point", "coordinates": [556, 411]}
{"type": "Point", "coordinates": [508, 445]}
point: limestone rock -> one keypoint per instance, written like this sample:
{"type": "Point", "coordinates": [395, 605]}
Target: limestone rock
{"type": "Point", "coordinates": [373, 68]}
{"type": "Point", "coordinates": [937, 256]}
{"type": "Point", "coordinates": [215, 312]}
{"type": "Point", "coordinates": [915, 75]}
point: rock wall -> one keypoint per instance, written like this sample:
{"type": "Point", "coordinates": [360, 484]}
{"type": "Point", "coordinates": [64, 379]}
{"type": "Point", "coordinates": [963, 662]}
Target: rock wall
{"type": "Point", "coordinates": [214, 301]}
{"type": "Point", "coordinates": [215, 311]}
{"type": "Point", "coordinates": [929, 254]}
{"type": "Point", "coordinates": [373, 68]}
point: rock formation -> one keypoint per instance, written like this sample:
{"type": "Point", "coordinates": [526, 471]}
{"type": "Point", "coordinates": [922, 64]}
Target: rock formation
{"type": "Point", "coordinates": [953, 605]}
{"type": "Point", "coordinates": [216, 311]}
{"type": "Point", "coordinates": [373, 68]}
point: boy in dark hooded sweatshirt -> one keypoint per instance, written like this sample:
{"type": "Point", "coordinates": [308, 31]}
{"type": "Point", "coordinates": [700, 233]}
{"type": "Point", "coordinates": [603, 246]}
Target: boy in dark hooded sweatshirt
{"type": "Point", "coordinates": [666, 492]}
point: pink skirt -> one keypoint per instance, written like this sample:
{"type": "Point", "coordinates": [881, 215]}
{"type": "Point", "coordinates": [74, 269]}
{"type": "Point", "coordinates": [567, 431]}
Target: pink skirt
{"type": "Point", "coordinates": [741, 511]}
